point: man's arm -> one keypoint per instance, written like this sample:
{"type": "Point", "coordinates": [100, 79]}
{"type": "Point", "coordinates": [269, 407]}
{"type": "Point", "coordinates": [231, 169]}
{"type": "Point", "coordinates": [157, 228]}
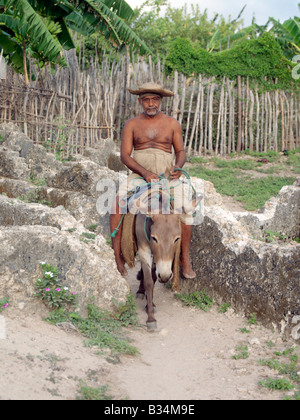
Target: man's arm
{"type": "Point", "coordinates": [126, 150]}
{"type": "Point", "coordinates": [179, 150]}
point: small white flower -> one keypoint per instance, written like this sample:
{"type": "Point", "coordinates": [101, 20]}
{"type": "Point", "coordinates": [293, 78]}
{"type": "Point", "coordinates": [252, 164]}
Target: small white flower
{"type": "Point", "coordinates": [42, 263]}
{"type": "Point", "coordinates": [66, 288]}
{"type": "Point", "coordinates": [49, 273]}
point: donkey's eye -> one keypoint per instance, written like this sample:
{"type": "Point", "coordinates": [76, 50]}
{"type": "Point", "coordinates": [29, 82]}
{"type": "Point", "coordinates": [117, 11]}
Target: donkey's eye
{"type": "Point", "coordinates": [176, 240]}
{"type": "Point", "coordinates": [154, 239]}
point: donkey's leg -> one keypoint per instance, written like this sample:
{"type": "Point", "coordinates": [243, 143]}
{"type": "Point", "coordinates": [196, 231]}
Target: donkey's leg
{"type": "Point", "coordinates": [115, 220]}
{"type": "Point", "coordinates": [140, 275]}
{"type": "Point", "coordinates": [149, 287]}
{"type": "Point", "coordinates": [140, 294]}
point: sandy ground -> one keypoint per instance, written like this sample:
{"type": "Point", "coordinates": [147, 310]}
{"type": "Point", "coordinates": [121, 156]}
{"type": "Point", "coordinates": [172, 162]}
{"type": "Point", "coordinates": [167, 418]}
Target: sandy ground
{"type": "Point", "coordinates": [188, 358]}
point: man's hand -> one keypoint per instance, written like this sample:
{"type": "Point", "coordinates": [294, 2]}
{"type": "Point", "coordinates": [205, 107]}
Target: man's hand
{"type": "Point", "coordinates": [150, 177]}
{"type": "Point", "coordinates": [175, 174]}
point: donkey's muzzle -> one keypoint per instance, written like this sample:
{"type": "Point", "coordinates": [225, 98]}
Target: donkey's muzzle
{"type": "Point", "coordinates": [162, 278]}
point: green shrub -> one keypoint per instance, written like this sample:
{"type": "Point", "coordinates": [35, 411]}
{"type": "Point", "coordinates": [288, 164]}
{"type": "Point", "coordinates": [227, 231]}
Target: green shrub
{"type": "Point", "coordinates": [260, 59]}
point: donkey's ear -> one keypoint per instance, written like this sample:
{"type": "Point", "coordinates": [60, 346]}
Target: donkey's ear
{"type": "Point", "coordinates": [189, 206]}
{"type": "Point", "coordinates": [196, 201]}
{"type": "Point", "coordinates": [189, 209]}
{"type": "Point", "coordinates": [139, 206]}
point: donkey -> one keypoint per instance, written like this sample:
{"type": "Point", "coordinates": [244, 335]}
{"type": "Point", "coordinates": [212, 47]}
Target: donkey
{"type": "Point", "coordinates": [158, 239]}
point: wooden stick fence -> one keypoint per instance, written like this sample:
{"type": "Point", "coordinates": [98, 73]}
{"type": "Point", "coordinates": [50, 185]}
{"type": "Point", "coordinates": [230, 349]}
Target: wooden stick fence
{"type": "Point", "coordinates": [71, 109]}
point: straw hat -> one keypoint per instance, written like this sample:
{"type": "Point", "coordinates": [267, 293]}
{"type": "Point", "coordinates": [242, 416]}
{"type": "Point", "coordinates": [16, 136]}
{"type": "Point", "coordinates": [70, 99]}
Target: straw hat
{"type": "Point", "coordinates": [151, 88]}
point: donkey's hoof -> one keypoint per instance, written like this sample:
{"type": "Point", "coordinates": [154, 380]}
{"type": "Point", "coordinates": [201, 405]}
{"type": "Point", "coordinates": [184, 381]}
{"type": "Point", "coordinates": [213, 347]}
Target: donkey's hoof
{"type": "Point", "coordinates": [140, 296]}
{"type": "Point", "coordinates": [152, 326]}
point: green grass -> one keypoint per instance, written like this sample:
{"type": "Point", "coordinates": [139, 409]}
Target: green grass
{"type": "Point", "coordinates": [199, 300]}
{"type": "Point", "coordinates": [88, 393]}
{"type": "Point", "coordinates": [271, 155]}
{"type": "Point", "coordinates": [101, 328]}
{"type": "Point", "coordinates": [243, 164]}
{"type": "Point", "coordinates": [253, 193]}
{"type": "Point", "coordinates": [275, 384]}
{"type": "Point", "coordinates": [284, 363]}
{"type": "Point", "coordinates": [242, 353]}
{"type": "Point", "coordinates": [231, 177]}
{"type": "Point", "coordinates": [88, 235]}
{"type": "Point", "coordinates": [294, 161]}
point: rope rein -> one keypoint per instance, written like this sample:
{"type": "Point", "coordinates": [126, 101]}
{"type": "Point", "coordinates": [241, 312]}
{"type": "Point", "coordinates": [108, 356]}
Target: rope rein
{"type": "Point", "coordinates": [138, 190]}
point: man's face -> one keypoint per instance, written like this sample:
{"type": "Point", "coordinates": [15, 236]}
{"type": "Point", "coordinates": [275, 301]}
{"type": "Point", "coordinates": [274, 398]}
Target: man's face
{"type": "Point", "coordinates": [151, 104]}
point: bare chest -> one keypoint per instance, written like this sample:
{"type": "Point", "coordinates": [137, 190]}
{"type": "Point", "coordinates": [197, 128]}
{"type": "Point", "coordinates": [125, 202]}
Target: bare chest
{"type": "Point", "coordinates": [155, 134]}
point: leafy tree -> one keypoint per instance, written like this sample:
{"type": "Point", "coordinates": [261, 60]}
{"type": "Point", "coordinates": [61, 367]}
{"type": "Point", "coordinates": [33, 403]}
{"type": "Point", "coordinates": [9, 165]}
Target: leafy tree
{"type": "Point", "coordinates": [196, 26]}
{"type": "Point", "coordinates": [287, 34]}
{"type": "Point", "coordinates": [214, 35]}
{"type": "Point", "coordinates": [42, 28]}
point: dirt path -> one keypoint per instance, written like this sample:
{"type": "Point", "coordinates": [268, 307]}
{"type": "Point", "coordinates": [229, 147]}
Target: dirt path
{"type": "Point", "coordinates": [189, 357]}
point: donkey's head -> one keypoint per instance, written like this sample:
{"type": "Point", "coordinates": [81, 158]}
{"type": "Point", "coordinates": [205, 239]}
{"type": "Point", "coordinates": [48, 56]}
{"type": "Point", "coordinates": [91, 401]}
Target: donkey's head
{"type": "Point", "coordinates": [164, 230]}
{"type": "Point", "coordinates": [164, 238]}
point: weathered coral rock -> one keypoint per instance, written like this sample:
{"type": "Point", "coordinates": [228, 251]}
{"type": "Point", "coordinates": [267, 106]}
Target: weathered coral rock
{"type": "Point", "coordinates": [252, 276]}
{"type": "Point", "coordinates": [280, 214]}
{"type": "Point", "coordinates": [32, 233]}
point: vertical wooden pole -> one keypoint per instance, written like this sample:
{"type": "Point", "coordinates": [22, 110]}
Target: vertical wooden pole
{"type": "Point", "coordinates": [220, 118]}
{"type": "Point", "coordinates": [239, 136]}
{"type": "Point", "coordinates": [195, 116]}
{"type": "Point", "coordinates": [25, 62]}
{"type": "Point", "coordinates": [210, 117]}
{"type": "Point", "coordinates": [231, 114]}
{"type": "Point", "coordinates": [182, 102]}
{"type": "Point", "coordinates": [176, 96]}
{"type": "Point", "coordinates": [251, 135]}
{"type": "Point", "coordinates": [189, 114]}
{"type": "Point", "coordinates": [258, 122]}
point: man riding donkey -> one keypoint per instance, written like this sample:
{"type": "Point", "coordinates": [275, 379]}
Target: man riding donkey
{"type": "Point", "coordinates": [152, 136]}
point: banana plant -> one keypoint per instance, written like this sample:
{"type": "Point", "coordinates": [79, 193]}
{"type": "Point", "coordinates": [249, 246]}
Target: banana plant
{"type": "Point", "coordinates": [217, 40]}
{"type": "Point", "coordinates": [42, 28]}
{"type": "Point", "coordinates": [287, 35]}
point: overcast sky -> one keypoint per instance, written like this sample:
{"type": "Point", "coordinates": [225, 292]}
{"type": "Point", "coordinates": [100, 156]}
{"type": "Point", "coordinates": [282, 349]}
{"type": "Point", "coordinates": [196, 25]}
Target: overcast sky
{"type": "Point", "coordinates": [262, 9]}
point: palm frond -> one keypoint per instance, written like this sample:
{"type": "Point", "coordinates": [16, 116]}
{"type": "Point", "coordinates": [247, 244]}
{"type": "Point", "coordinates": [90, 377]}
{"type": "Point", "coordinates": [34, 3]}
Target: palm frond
{"type": "Point", "coordinates": [240, 14]}
{"type": "Point", "coordinates": [32, 27]}
{"type": "Point", "coordinates": [121, 8]}
{"type": "Point", "coordinates": [80, 24]}
{"type": "Point", "coordinates": [117, 27]}
{"type": "Point", "coordinates": [293, 28]}
{"type": "Point", "coordinates": [214, 40]}
{"type": "Point", "coordinates": [12, 51]}
{"type": "Point", "coordinates": [7, 44]}
{"type": "Point", "coordinates": [64, 37]}
{"type": "Point", "coordinates": [45, 25]}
